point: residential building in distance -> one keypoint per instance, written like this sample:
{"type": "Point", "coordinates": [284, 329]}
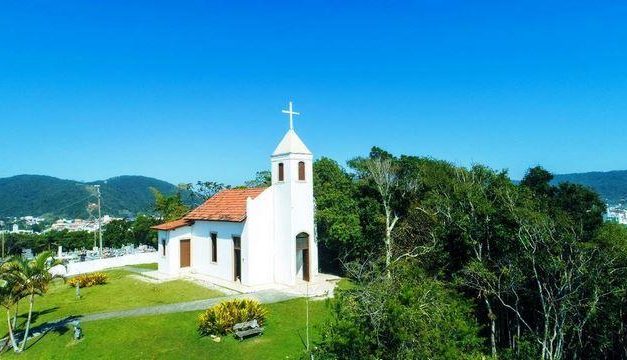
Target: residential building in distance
{"type": "Point", "coordinates": [90, 225]}
{"type": "Point", "coordinates": [616, 213]}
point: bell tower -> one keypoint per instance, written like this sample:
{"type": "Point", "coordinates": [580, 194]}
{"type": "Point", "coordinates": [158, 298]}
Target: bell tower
{"type": "Point", "coordinates": [296, 254]}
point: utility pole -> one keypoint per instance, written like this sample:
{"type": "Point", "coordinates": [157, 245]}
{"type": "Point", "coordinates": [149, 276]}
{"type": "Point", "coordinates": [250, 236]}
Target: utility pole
{"type": "Point", "coordinates": [99, 220]}
{"type": "Point", "coordinates": [3, 244]}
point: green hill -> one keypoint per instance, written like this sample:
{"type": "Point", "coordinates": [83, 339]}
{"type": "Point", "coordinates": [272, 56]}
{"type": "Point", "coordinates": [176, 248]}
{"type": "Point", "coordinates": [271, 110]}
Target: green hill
{"type": "Point", "coordinates": [611, 185]}
{"type": "Point", "coordinates": [38, 195]}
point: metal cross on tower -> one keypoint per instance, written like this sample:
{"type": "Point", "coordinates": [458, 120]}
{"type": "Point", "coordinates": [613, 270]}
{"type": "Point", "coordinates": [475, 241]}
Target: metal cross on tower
{"type": "Point", "coordinates": [291, 112]}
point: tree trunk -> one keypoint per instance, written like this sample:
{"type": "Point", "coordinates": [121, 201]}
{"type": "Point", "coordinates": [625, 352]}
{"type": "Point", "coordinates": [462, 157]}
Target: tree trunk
{"type": "Point", "coordinates": [17, 305]}
{"type": "Point", "coordinates": [389, 226]}
{"type": "Point", "coordinates": [492, 318]}
{"type": "Point", "coordinates": [388, 250]}
{"type": "Point", "coordinates": [13, 343]}
{"type": "Point", "coordinates": [31, 299]}
{"type": "Point", "coordinates": [517, 335]}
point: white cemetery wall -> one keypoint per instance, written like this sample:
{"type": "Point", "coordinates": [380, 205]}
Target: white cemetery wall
{"type": "Point", "coordinates": [107, 263]}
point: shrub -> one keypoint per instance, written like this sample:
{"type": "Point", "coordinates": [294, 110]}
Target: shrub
{"type": "Point", "coordinates": [87, 280]}
{"type": "Point", "coordinates": [219, 319]}
{"type": "Point", "coordinates": [408, 315]}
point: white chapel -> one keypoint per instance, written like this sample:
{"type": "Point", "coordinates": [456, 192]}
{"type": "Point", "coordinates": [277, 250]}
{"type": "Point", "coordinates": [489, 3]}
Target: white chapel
{"type": "Point", "coordinates": [254, 236]}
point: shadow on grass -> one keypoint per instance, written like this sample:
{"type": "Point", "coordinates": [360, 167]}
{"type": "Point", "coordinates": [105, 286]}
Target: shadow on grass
{"type": "Point", "coordinates": [60, 328]}
{"type": "Point", "coordinates": [36, 314]}
{"type": "Point", "coordinates": [34, 317]}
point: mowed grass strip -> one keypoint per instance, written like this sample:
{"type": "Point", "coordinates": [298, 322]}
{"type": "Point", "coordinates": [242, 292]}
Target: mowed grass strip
{"type": "Point", "coordinates": [121, 292]}
{"type": "Point", "coordinates": [174, 336]}
{"type": "Point", "coordinates": [147, 266]}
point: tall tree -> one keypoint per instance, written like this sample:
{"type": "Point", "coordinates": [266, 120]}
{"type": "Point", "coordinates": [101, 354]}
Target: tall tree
{"type": "Point", "coordinates": [169, 207]}
{"type": "Point", "coordinates": [143, 234]}
{"type": "Point", "coordinates": [118, 233]}
{"type": "Point", "coordinates": [538, 180]}
{"type": "Point", "coordinates": [583, 206]}
{"type": "Point", "coordinates": [262, 179]}
{"type": "Point", "coordinates": [337, 215]}
{"type": "Point", "coordinates": [392, 189]}
{"type": "Point", "coordinates": [10, 295]}
{"type": "Point", "coordinates": [32, 278]}
{"type": "Point", "coordinates": [202, 190]}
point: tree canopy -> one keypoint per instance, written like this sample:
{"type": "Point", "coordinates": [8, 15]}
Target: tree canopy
{"type": "Point", "coordinates": [542, 271]}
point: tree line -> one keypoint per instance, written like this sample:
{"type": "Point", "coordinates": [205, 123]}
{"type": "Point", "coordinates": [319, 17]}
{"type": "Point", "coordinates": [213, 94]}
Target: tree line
{"type": "Point", "coordinates": [117, 233]}
{"type": "Point", "coordinates": [453, 262]}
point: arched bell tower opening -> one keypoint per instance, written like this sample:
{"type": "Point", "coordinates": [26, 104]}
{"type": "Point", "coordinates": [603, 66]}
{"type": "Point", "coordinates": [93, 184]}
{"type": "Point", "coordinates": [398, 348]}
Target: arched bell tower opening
{"type": "Point", "coordinates": [303, 261]}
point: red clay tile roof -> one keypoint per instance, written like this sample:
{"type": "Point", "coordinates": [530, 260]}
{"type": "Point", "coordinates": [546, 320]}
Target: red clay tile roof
{"type": "Point", "coordinates": [171, 225]}
{"type": "Point", "coordinates": [227, 205]}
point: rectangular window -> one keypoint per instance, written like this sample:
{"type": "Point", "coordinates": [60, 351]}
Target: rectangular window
{"type": "Point", "coordinates": [301, 171]}
{"type": "Point", "coordinates": [281, 172]}
{"type": "Point", "coordinates": [163, 247]}
{"type": "Point", "coordinates": [214, 247]}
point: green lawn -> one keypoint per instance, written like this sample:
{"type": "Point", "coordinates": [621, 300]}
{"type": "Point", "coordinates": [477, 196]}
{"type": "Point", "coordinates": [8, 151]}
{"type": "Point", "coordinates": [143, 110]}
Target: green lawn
{"type": "Point", "coordinates": [149, 266]}
{"type": "Point", "coordinates": [120, 293]}
{"type": "Point", "coordinates": [173, 336]}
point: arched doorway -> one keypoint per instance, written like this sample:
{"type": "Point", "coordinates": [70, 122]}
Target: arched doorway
{"type": "Point", "coordinates": [302, 256]}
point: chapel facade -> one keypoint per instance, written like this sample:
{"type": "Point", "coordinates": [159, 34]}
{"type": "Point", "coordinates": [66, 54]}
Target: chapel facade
{"type": "Point", "coordinates": [254, 236]}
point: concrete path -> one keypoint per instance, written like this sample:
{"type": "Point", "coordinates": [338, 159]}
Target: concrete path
{"type": "Point", "coordinates": [264, 296]}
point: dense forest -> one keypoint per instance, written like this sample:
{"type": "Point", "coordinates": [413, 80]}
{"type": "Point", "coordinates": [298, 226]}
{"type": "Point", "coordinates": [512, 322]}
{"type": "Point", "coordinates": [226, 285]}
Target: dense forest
{"type": "Point", "coordinates": [462, 263]}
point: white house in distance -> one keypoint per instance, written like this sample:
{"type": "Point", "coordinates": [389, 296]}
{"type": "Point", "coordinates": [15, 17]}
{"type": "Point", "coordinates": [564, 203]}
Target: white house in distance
{"type": "Point", "coordinates": [255, 236]}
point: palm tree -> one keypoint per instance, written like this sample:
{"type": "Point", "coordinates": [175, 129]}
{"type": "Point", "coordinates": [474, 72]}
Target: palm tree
{"type": "Point", "coordinates": [10, 295]}
{"type": "Point", "coordinates": [31, 277]}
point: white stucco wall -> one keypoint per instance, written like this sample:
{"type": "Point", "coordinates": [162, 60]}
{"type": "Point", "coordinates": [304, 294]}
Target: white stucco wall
{"type": "Point", "coordinates": [201, 248]}
{"type": "Point", "coordinates": [257, 244]}
{"type": "Point", "coordinates": [199, 234]}
{"type": "Point", "coordinates": [170, 263]}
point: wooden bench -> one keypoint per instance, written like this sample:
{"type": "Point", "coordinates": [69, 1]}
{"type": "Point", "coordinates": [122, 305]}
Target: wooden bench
{"type": "Point", "coordinates": [247, 329]}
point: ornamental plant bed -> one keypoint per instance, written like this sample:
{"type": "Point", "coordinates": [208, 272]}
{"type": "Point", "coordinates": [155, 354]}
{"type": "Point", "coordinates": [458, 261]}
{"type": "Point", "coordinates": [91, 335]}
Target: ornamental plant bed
{"type": "Point", "coordinates": [87, 280]}
{"type": "Point", "coordinates": [220, 319]}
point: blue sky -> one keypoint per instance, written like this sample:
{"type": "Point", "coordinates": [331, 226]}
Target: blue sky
{"type": "Point", "coordinates": [193, 90]}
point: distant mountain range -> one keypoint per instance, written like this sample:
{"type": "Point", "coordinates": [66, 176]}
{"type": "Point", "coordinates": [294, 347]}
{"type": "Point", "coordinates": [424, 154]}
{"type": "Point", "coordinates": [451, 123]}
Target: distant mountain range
{"type": "Point", "coordinates": [38, 195]}
{"type": "Point", "coordinates": [611, 185]}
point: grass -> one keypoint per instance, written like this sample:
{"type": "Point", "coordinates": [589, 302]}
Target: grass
{"type": "Point", "coordinates": [174, 336]}
{"type": "Point", "coordinates": [120, 293]}
{"type": "Point", "coordinates": [149, 266]}
{"type": "Point", "coordinates": [345, 284]}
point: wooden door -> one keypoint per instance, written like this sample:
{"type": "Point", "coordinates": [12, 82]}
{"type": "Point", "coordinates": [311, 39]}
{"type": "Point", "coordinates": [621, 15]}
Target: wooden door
{"type": "Point", "coordinates": [237, 263]}
{"type": "Point", "coordinates": [186, 253]}
{"type": "Point", "coordinates": [306, 264]}
{"type": "Point", "coordinates": [237, 259]}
